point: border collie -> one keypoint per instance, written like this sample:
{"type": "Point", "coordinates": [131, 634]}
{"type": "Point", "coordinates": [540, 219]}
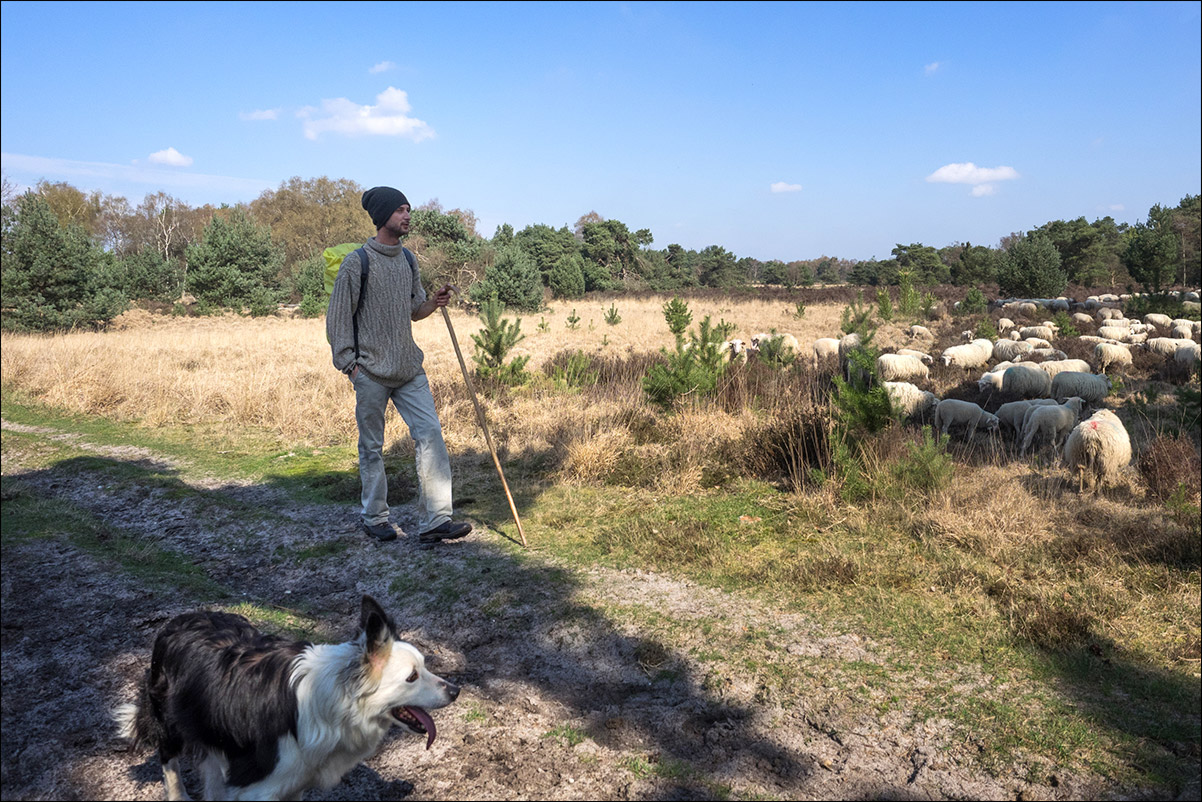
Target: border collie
{"type": "Point", "coordinates": [269, 718]}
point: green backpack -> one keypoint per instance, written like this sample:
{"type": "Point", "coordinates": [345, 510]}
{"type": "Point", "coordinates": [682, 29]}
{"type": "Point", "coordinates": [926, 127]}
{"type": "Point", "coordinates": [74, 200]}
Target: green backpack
{"type": "Point", "coordinates": [334, 256]}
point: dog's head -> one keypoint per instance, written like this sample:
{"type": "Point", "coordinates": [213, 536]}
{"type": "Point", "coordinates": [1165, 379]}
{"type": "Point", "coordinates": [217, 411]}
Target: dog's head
{"type": "Point", "coordinates": [396, 682]}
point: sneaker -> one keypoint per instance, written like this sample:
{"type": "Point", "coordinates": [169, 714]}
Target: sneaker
{"type": "Point", "coordinates": [382, 532]}
{"type": "Point", "coordinates": [445, 531]}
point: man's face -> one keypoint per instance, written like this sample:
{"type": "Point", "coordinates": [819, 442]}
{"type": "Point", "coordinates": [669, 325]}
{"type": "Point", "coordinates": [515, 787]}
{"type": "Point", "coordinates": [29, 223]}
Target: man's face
{"type": "Point", "coordinates": [398, 224]}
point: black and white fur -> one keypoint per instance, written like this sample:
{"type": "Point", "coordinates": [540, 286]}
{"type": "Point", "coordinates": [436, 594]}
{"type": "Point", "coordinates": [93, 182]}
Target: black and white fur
{"type": "Point", "coordinates": [269, 718]}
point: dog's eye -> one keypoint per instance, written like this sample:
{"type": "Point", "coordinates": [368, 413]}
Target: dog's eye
{"type": "Point", "coordinates": [412, 677]}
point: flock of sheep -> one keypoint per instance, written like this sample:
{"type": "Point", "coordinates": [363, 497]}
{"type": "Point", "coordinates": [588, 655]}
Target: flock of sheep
{"type": "Point", "coordinates": [1053, 391]}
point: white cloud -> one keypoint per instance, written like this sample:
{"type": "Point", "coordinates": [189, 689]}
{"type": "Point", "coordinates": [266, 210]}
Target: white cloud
{"type": "Point", "coordinates": [931, 68]}
{"type": "Point", "coordinates": [981, 179]}
{"type": "Point", "coordinates": [389, 117]}
{"type": "Point", "coordinates": [383, 66]}
{"type": "Point", "coordinates": [1117, 207]}
{"type": "Point", "coordinates": [260, 114]}
{"type": "Point", "coordinates": [171, 157]}
{"type": "Point", "coordinates": [781, 186]}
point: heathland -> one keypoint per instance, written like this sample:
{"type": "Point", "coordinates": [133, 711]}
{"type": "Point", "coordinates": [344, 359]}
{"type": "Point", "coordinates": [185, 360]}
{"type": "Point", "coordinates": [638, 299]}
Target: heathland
{"type": "Point", "coordinates": [914, 616]}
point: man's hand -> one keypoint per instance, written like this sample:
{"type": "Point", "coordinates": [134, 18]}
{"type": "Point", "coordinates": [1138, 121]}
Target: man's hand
{"type": "Point", "coordinates": [443, 296]}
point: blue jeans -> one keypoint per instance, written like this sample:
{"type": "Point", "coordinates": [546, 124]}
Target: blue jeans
{"type": "Point", "coordinates": [416, 406]}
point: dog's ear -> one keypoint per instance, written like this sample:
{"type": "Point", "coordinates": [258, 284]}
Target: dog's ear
{"type": "Point", "coordinates": [376, 624]}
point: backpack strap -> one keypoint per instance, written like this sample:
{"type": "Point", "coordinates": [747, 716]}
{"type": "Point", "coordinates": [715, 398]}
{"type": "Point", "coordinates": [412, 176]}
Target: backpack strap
{"type": "Point", "coordinates": [364, 271]}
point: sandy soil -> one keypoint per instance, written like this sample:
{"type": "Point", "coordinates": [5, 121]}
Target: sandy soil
{"type": "Point", "coordinates": [571, 689]}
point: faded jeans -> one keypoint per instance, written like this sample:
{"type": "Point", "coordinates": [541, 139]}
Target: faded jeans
{"type": "Point", "coordinates": [416, 406]}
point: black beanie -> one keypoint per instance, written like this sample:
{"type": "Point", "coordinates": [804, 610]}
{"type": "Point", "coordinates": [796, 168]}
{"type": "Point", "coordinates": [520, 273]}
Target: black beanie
{"type": "Point", "coordinates": [381, 202]}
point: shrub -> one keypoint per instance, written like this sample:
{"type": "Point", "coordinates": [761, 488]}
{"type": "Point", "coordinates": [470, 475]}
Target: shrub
{"type": "Point", "coordinates": [855, 316]}
{"type": "Point", "coordinates": [678, 316]}
{"type": "Point", "coordinates": [1169, 463]}
{"type": "Point", "coordinates": [573, 320]}
{"type": "Point", "coordinates": [493, 344]}
{"type": "Point", "coordinates": [1065, 324]}
{"type": "Point", "coordinates": [566, 277]}
{"type": "Point", "coordinates": [234, 262]}
{"type": "Point", "coordinates": [689, 371]}
{"type": "Point", "coordinates": [908, 302]}
{"type": "Point", "coordinates": [974, 303]}
{"type": "Point", "coordinates": [985, 330]}
{"type": "Point", "coordinates": [1031, 268]}
{"type": "Point", "coordinates": [611, 315]}
{"type": "Point", "coordinates": [572, 369]}
{"type": "Point", "coordinates": [513, 279]}
{"type": "Point", "coordinates": [927, 467]}
{"type": "Point", "coordinates": [884, 305]}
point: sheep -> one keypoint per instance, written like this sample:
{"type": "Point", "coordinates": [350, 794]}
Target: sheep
{"type": "Point", "coordinates": [1109, 313]}
{"type": "Point", "coordinates": [1119, 333]}
{"type": "Point", "coordinates": [916, 331]}
{"type": "Point", "coordinates": [1042, 332]}
{"type": "Point", "coordinates": [824, 348]}
{"type": "Point", "coordinates": [1011, 415]}
{"type": "Point", "coordinates": [1188, 355]}
{"type": "Point", "coordinates": [908, 400]}
{"type": "Point", "coordinates": [1158, 320]}
{"type": "Point", "coordinates": [970, 355]}
{"type": "Point", "coordinates": [900, 367]}
{"type": "Point", "coordinates": [1108, 354]}
{"type": "Point", "coordinates": [1082, 319]}
{"type": "Point", "coordinates": [1011, 349]}
{"type": "Point", "coordinates": [1182, 331]}
{"type": "Point", "coordinates": [1027, 380]}
{"type": "Point", "coordinates": [733, 351]}
{"type": "Point", "coordinates": [925, 358]}
{"type": "Point", "coordinates": [1037, 343]}
{"type": "Point", "coordinates": [1056, 421]}
{"type": "Point", "coordinates": [788, 348]}
{"type": "Point", "coordinates": [1088, 386]}
{"type": "Point", "coordinates": [1004, 325]}
{"type": "Point", "coordinates": [848, 343]}
{"type": "Point", "coordinates": [1166, 346]}
{"type": "Point", "coordinates": [953, 412]}
{"type": "Point", "coordinates": [991, 380]}
{"type": "Point", "coordinates": [1055, 366]}
{"type": "Point", "coordinates": [1097, 449]}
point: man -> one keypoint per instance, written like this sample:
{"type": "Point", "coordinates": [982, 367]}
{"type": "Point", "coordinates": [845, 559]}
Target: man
{"type": "Point", "coordinates": [368, 324]}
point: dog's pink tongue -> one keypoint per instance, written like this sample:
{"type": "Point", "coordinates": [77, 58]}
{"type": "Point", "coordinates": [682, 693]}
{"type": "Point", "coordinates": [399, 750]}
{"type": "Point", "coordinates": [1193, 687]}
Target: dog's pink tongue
{"type": "Point", "coordinates": [427, 722]}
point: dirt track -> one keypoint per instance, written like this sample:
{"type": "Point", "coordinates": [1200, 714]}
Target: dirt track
{"type": "Point", "coordinates": [577, 685]}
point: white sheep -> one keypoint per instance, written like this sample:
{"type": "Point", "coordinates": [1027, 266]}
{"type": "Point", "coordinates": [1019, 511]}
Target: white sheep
{"type": "Point", "coordinates": [991, 380]}
{"type": "Point", "coordinates": [1166, 346]}
{"type": "Point", "coordinates": [787, 342]}
{"type": "Point", "coordinates": [1097, 449]}
{"type": "Point", "coordinates": [1158, 320]}
{"type": "Point", "coordinates": [1027, 380]}
{"type": "Point", "coordinates": [1188, 355]}
{"type": "Point", "coordinates": [1107, 354]}
{"type": "Point", "coordinates": [848, 343]}
{"type": "Point", "coordinates": [1010, 415]}
{"type": "Point", "coordinates": [1050, 422]}
{"type": "Point", "coordinates": [1182, 331]}
{"type": "Point", "coordinates": [926, 358]}
{"type": "Point", "coordinates": [825, 348]}
{"type": "Point", "coordinates": [1011, 349]}
{"type": "Point", "coordinates": [1109, 313]}
{"type": "Point", "coordinates": [1088, 386]}
{"type": "Point", "coordinates": [1047, 353]}
{"type": "Point", "coordinates": [1042, 332]}
{"type": "Point", "coordinates": [900, 367]}
{"type": "Point", "coordinates": [916, 331]}
{"type": "Point", "coordinates": [975, 354]}
{"type": "Point", "coordinates": [733, 351]}
{"type": "Point", "coordinates": [1052, 367]}
{"type": "Point", "coordinates": [1119, 333]}
{"type": "Point", "coordinates": [1082, 319]}
{"type": "Point", "coordinates": [954, 412]}
{"type": "Point", "coordinates": [908, 400]}
{"type": "Point", "coordinates": [1004, 325]}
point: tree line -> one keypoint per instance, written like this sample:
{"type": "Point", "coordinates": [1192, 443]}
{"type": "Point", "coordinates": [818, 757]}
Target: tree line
{"type": "Point", "coordinates": [72, 258]}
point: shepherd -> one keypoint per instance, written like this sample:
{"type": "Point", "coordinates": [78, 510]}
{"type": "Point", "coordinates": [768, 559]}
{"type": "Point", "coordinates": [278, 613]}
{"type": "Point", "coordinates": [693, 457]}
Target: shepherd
{"type": "Point", "coordinates": [369, 324]}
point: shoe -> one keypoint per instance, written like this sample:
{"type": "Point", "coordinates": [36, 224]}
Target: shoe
{"type": "Point", "coordinates": [382, 532]}
{"type": "Point", "coordinates": [445, 531]}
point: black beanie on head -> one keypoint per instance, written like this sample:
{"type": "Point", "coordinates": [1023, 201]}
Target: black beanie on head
{"type": "Point", "coordinates": [381, 202]}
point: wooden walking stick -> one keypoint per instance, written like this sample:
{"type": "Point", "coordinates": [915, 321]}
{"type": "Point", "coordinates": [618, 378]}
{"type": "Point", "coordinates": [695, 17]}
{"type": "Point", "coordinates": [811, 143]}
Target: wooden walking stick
{"type": "Point", "coordinates": [471, 390]}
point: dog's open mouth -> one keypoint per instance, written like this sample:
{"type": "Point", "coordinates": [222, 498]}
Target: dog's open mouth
{"type": "Point", "coordinates": [417, 720]}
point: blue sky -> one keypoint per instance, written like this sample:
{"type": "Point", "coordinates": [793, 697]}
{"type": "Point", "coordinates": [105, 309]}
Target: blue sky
{"type": "Point", "coordinates": [778, 131]}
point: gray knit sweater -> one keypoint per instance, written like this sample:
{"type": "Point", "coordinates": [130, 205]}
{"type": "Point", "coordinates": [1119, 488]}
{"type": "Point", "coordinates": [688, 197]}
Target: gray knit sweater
{"type": "Point", "coordinates": [387, 352]}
